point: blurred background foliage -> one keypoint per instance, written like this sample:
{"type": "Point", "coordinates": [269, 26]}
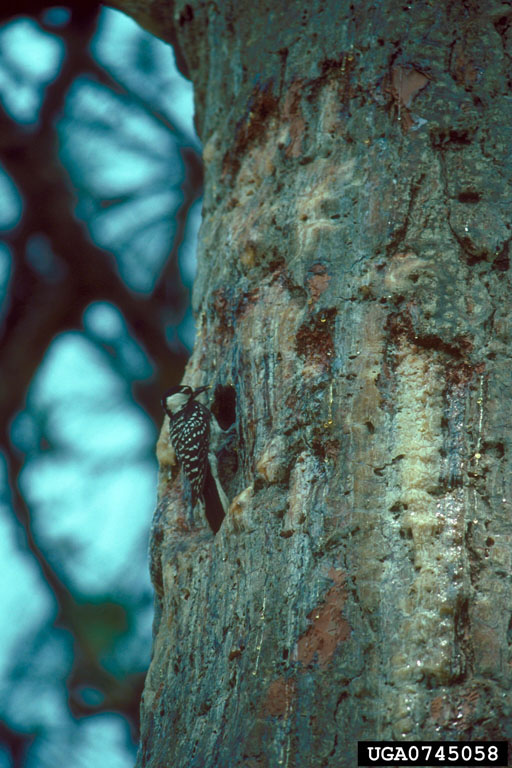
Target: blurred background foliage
{"type": "Point", "coordinates": [100, 195]}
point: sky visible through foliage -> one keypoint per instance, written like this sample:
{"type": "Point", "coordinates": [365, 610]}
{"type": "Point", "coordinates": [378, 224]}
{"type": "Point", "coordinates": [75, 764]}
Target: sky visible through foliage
{"type": "Point", "coordinates": [84, 444]}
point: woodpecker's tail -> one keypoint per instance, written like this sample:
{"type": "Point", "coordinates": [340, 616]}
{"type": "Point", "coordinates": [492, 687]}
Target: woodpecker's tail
{"type": "Point", "coordinates": [215, 501]}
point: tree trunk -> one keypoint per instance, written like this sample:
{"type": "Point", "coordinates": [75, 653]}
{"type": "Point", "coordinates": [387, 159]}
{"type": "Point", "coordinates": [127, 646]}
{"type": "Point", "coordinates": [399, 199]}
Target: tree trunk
{"type": "Point", "coordinates": [353, 317]}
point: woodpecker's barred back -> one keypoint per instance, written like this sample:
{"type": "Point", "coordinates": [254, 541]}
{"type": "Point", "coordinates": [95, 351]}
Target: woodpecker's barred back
{"type": "Point", "coordinates": [189, 429]}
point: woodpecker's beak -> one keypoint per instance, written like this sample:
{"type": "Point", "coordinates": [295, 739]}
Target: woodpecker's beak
{"type": "Point", "coordinates": [201, 389]}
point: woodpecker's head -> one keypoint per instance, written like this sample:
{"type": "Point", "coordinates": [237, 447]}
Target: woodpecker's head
{"type": "Point", "coordinates": [178, 397]}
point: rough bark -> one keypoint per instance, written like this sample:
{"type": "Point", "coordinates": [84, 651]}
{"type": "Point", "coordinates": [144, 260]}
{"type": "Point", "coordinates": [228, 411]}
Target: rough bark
{"type": "Point", "coordinates": [353, 317]}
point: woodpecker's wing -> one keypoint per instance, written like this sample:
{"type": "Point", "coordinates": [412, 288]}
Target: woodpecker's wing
{"type": "Point", "coordinates": [190, 436]}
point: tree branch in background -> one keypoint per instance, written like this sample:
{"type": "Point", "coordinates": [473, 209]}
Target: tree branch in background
{"type": "Point", "coordinates": [48, 300]}
{"type": "Point", "coordinates": [40, 308]}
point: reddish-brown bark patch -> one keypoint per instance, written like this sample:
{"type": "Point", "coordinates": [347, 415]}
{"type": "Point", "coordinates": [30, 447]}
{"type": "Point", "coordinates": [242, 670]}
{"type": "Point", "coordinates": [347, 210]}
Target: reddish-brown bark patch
{"type": "Point", "coordinates": [221, 308]}
{"type": "Point", "coordinates": [292, 113]}
{"type": "Point", "coordinates": [315, 339]}
{"type": "Point", "coordinates": [246, 301]}
{"type": "Point", "coordinates": [326, 448]}
{"type": "Point", "coordinates": [157, 696]}
{"type": "Point", "coordinates": [335, 75]}
{"type": "Point", "coordinates": [404, 326]}
{"type": "Point", "coordinates": [502, 261]}
{"type": "Point", "coordinates": [456, 712]}
{"type": "Point", "coordinates": [464, 70]}
{"type": "Point", "coordinates": [279, 694]}
{"type": "Point", "coordinates": [405, 84]}
{"type": "Point", "coordinates": [328, 626]}
{"type": "Point", "coordinates": [462, 374]}
{"type": "Point", "coordinates": [318, 281]}
{"type": "Point", "coordinates": [252, 126]}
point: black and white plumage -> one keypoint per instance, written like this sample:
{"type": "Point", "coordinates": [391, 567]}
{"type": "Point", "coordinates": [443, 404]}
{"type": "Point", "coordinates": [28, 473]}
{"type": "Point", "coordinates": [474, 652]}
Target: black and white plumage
{"type": "Point", "coordinates": [189, 429]}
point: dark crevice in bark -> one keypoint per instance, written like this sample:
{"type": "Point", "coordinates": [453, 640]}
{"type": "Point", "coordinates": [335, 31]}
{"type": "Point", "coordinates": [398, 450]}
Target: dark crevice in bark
{"type": "Point", "coordinates": [401, 324]}
{"type": "Point", "coordinates": [502, 27]}
{"type": "Point", "coordinates": [502, 261]}
{"type": "Point", "coordinates": [400, 235]}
